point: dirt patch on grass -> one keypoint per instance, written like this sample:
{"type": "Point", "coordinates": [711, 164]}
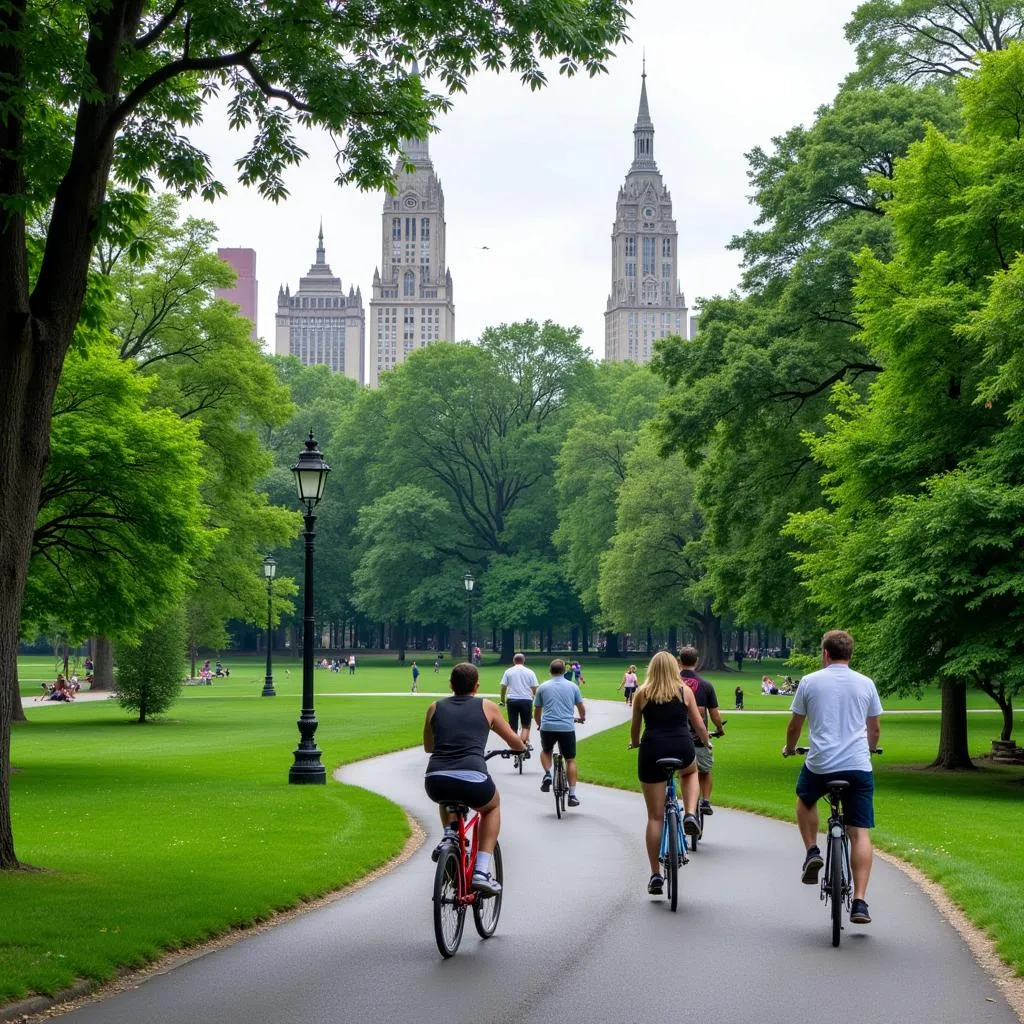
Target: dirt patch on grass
{"type": "Point", "coordinates": [37, 1008]}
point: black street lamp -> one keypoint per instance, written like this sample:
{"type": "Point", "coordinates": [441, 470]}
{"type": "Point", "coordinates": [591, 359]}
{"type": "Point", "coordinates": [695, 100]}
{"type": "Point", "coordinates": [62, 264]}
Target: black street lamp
{"type": "Point", "coordinates": [310, 476]}
{"type": "Point", "coordinates": [469, 582]}
{"type": "Point", "coordinates": [269, 571]}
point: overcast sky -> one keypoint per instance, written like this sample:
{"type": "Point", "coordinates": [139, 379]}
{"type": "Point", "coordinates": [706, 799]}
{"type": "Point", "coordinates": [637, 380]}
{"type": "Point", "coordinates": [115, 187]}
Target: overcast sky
{"type": "Point", "coordinates": [534, 176]}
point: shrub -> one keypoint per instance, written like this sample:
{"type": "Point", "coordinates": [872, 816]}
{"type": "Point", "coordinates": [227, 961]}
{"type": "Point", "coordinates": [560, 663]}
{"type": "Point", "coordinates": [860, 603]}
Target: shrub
{"type": "Point", "coordinates": [149, 673]}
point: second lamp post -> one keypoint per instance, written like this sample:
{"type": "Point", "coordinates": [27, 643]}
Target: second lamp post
{"type": "Point", "coordinates": [469, 581]}
{"type": "Point", "coordinates": [269, 571]}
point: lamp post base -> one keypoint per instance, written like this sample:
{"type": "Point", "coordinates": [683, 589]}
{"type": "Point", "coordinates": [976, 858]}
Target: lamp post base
{"type": "Point", "coordinates": [307, 769]}
{"type": "Point", "coordinates": [268, 687]}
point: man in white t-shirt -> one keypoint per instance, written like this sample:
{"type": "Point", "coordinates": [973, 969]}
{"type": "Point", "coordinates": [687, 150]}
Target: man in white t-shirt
{"type": "Point", "coordinates": [842, 711]}
{"type": "Point", "coordinates": [518, 685]}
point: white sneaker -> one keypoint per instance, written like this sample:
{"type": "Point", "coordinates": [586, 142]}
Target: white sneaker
{"type": "Point", "coordinates": [486, 884]}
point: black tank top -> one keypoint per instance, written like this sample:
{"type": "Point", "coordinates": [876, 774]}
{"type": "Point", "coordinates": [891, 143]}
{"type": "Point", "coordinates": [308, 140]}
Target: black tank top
{"type": "Point", "coordinates": [460, 729]}
{"type": "Point", "coordinates": [666, 719]}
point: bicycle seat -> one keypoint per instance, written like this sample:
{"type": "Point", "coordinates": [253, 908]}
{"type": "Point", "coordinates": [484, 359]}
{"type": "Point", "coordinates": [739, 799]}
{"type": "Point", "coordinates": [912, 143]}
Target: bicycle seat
{"type": "Point", "coordinates": [838, 785]}
{"type": "Point", "coordinates": [669, 764]}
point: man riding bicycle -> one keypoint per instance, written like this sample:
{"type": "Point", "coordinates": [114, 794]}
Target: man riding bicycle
{"type": "Point", "coordinates": [455, 734]}
{"type": "Point", "coordinates": [554, 708]}
{"type": "Point", "coordinates": [842, 709]}
{"type": "Point", "coordinates": [707, 705]}
{"type": "Point", "coordinates": [518, 685]}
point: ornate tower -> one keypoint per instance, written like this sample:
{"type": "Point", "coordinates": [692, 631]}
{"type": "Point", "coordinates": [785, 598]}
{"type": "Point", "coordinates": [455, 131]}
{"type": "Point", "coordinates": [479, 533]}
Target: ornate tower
{"type": "Point", "coordinates": [320, 323]}
{"type": "Point", "coordinates": [646, 302]}
{"type": "Point", "coordinates": [412, 301]}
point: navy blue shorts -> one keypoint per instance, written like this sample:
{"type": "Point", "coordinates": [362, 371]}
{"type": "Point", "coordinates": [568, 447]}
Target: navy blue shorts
{"type": "Point", "coordinates": [857, 802]}
{"type": "Point", "coordinates": [520, 711]}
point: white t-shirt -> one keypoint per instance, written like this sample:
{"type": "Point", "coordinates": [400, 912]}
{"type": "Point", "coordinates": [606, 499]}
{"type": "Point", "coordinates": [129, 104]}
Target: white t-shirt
{"type": "Point", "coordinates": [521, 682]}
{"type": "Point", "coordinates": [837, 703]}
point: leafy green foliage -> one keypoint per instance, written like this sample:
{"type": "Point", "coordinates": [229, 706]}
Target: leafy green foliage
{"type": "Point", "coordinates": [149, 676]}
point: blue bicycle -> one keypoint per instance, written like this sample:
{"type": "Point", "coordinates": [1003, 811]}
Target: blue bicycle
{"type": "Point", "coordinates": [673, 842]}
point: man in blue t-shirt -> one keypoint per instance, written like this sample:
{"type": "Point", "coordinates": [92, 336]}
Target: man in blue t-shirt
{"type": "Point", "coordinates": [554, 708]}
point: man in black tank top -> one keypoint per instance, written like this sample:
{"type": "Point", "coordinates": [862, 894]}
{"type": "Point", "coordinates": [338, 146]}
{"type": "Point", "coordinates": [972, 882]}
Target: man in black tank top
{"type": "Point", "coordinates": [455, 735]}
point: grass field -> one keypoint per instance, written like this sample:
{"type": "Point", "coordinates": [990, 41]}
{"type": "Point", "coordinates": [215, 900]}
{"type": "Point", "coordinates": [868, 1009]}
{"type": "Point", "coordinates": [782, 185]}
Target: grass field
{"type": "Point", "coordinates": [154, 837]}
{"type": "Point", "coordinates": [962, 829]}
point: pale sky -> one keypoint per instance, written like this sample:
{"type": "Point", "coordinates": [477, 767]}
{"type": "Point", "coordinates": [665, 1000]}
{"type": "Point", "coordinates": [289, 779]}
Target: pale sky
{"type": "Point", "coordinates": [534, 176]}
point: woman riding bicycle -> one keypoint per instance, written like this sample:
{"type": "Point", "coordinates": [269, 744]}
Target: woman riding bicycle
{"type": "Point", "coordinates": [455, 734]}
{"type": "Point", "coordinates": [664, 706]}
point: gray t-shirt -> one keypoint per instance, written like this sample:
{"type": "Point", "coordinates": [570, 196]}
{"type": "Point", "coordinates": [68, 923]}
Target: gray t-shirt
{"type": "Point", "coordinates": [521, 682]}
{"type": "Point", "coordinates": [837, 703]}
{"type": "Point", "coordinates": [557, 699]}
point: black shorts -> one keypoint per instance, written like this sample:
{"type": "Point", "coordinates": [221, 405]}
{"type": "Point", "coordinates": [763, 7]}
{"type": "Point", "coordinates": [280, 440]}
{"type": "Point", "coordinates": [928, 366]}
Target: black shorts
{"type": "Point", "coordinates": [655, 747]}
{"type": "Point", "coordinates": [566, 743]}
{"type": "Point", "coordinates": [520, 711]}
{"type": "Point", "coordinates": [443, 789]}
{"type": "Point", "coordinates": [857, 802]}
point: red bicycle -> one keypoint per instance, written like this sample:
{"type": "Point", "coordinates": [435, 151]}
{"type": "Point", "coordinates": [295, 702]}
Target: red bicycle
{"type": "Point", "coordinates": [453, 890]}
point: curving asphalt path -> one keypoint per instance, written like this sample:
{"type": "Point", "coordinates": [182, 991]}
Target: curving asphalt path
{"type": "Point", "coordinates": [579, 940]}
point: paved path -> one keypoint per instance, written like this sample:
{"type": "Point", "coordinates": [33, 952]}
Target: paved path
{"type": "Point", "coordinates": [580, 941]}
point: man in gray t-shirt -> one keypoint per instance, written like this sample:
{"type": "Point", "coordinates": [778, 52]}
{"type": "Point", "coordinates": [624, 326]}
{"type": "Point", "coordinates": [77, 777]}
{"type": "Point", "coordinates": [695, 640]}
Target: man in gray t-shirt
{"type": "Point", "coordinates": [555, 706]}
{"type": "Point", "coordinates": [842, 709]}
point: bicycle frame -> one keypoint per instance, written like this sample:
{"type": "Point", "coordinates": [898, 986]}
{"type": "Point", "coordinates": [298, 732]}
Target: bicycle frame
{"type": "Point", "coordinates": [837, 830]}
{"type": "Point", "coordinates": [468, 846]}
{"type": "Point", "coordinates": [672, 800]}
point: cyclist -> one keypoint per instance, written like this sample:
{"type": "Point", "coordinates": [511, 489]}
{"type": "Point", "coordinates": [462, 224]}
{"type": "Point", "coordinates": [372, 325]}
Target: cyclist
{"type": "Point", "coordinates": [518, 685]}
{"type": "Point", "coordinates": [842, 711]}
{"type": "Point", "coordinates": [707, 704]}
{"type": "Point", "coordinates": [455, 734]}
{"type": "Point", "coordinates": [664, 707]}
{"type": "Point", "coordinates": [554, 707]}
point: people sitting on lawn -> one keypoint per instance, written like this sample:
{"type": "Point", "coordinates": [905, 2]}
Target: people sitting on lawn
{"type": "Point", "coordinates": [788, 687]}
{"type": "Point", "coordinates": [768, 686]}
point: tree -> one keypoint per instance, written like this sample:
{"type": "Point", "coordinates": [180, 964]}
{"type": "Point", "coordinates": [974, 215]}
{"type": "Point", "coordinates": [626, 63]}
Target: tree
{"type": "Point", "coordinates": [903, 40]}
{"type": "Point", "coordinates": [149, 671]}
{"type": "Point", "coordinates": [100, 95]}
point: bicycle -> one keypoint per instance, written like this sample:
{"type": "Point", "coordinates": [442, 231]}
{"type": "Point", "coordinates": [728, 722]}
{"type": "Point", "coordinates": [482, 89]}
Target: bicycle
{"type": "Point", "coordinates": [837, 880]}
{"type": "Point", "coordinates": [699, 813]}
{"type": "Point", "coordinates": [560, 780]}
{"type": "Point", "coordinates": [673, 839]}
{"type": "Point", "coordinates": [453, 890]}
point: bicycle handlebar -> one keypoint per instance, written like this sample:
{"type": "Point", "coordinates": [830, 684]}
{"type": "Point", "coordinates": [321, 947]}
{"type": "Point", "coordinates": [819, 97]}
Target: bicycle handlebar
{"type": "Point", "coordinates": [501, 753]}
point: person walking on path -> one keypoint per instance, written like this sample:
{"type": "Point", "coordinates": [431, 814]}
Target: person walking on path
{"type": "Point", "coordinates": [415, 676]}
{"type": "Point", "coordinates": [707, 704]}
{"type": "Point", "coordinates": [664, 707]}
{"type": "Point", "coordinates": [518, 685]}
{"type": "Point", "coordinates": [842, 710]}
{"type": "Point", "coordinates": [554, 709]}
{"type": "Point", "coordinates": [455, 734]}
{"type": "Point", "coordinates": [628, 685]}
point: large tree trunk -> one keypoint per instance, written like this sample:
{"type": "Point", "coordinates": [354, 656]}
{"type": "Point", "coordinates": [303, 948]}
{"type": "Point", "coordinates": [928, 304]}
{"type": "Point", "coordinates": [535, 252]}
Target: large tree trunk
{"type": "Point", "coordinates": [954, 754]}
{"type": "Point", "coordinates": [508, 646]}
{"type": "Point", "coordinates": [1005, 705]}
{"type": "Point", "coordinates": [401, 640]}
{"type": "Point", "coordinates": [673, 639]}
{"type": "Point", "coordinates": [455, 635]}
{"type": "Point", "coordinates": [611, 645]}
{"type": "Point", "coordinates": [103, 664]}
{"type": "Point", "coordinates": [709, 630]}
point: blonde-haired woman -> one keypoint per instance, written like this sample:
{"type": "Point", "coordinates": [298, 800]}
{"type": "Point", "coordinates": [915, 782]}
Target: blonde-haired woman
{"type": "Point", "coordinates": [665, 707]}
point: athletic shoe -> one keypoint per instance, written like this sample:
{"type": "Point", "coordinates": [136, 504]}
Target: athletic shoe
{"type": "Point", "coordinates": [574, 800]}
{"type": "Point", "coordinates": [486, 884]}
{"type": "Point", "coordinates": [813, 863]}
{"type": "Point", "coordinates": [706, 809]}
{"type": "Point", "coordinates": [691, 826]}
{"type": "Point", "coordinates": [448, 836]}
{"type": "Point", "coordinates": [859, 912]}
{"type": "Point", "coordinates": [545, 784]}
{"type": "Point", "coordinates": [656, 886]}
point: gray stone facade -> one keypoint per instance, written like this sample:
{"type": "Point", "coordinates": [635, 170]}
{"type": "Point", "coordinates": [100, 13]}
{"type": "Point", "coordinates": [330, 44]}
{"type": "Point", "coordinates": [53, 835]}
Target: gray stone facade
{"type": "Point", "coordinates": [646, 302]}
{"type": "Point", "coordinates": [320, 323]}
{"type": "Point", "coordinates": [412, 302]}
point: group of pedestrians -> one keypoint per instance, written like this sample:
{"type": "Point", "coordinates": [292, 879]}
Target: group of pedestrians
{"type": "Point", "coordinates": [670, 714]}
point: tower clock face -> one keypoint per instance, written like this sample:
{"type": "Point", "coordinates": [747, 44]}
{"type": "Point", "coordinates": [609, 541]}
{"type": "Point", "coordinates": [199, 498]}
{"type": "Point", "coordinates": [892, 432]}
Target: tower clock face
{"type": "Point", "coordinates": [648, 213]}
{"type": "Point", "coordinates": [410, 203]}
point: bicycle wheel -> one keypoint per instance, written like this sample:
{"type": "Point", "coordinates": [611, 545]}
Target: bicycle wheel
{"type": "Point", "coordinates": [835, 886]}
{"type": "Point", "coordinates": [449, 915]}
{"type": "Point", "coordinates": [672, 860]}
{"type": "Point", "coordinates": [487, 908]}
{"type": "Point", "coordinates": [557, 786]}
{"type": "Point", "coordinates": [519, 763]}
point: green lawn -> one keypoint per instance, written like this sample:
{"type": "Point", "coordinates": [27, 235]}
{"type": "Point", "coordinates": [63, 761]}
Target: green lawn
{"type": "Point", "coordinates": [962, 829]}
{"type": "Point", "coordinates": [154, 837]}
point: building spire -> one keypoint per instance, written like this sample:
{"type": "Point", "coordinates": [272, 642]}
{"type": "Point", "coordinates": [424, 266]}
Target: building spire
{"type": "Point", "coordinates": [643, 130]}
{"type": "Point", "coordinates": [321, 257]}
{"type": "Point", "coordinates": [417, 151]}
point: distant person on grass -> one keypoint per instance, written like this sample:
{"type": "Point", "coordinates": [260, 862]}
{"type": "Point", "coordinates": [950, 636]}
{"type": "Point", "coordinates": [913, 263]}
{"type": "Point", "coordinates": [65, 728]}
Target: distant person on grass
{"type": "Point", "coordinates": [629, 684]}
{"type": "Point", "coordinates": [415, 676]}
{"type": "Point", "coordinates": [842, 711]}
{"type": "Point", "coordinates": [518, 686]}
{"type": "Point", "coordinates": [455, 734]}
{"type": "Point", "coordinates": [555, 705]}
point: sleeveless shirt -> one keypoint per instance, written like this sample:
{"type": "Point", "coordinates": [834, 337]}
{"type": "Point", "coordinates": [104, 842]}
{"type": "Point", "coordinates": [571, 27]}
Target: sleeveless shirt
{"type": "Point", "coordinates": [668, 718]}
{"type": "Point", "coordinates": [459, 727]}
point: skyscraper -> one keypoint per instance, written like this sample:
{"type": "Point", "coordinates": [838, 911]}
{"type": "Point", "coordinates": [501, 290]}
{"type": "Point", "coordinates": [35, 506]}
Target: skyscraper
{"type": "Point", "coordinates": [412, 289]}
{"type": "Point", "coordinates": [245, 291]}
{"type": "Point", "coordinates": [646, 302]}
{"type": "Point", "coordinates": [320, 323]}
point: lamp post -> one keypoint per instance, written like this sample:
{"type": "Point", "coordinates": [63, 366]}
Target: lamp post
{"type": "Point", "coordinates": [310, 477]}
{"type": "Point", "coordinates": [468, 581]}
{"type": "Point", "coordinates": [269, 571]}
